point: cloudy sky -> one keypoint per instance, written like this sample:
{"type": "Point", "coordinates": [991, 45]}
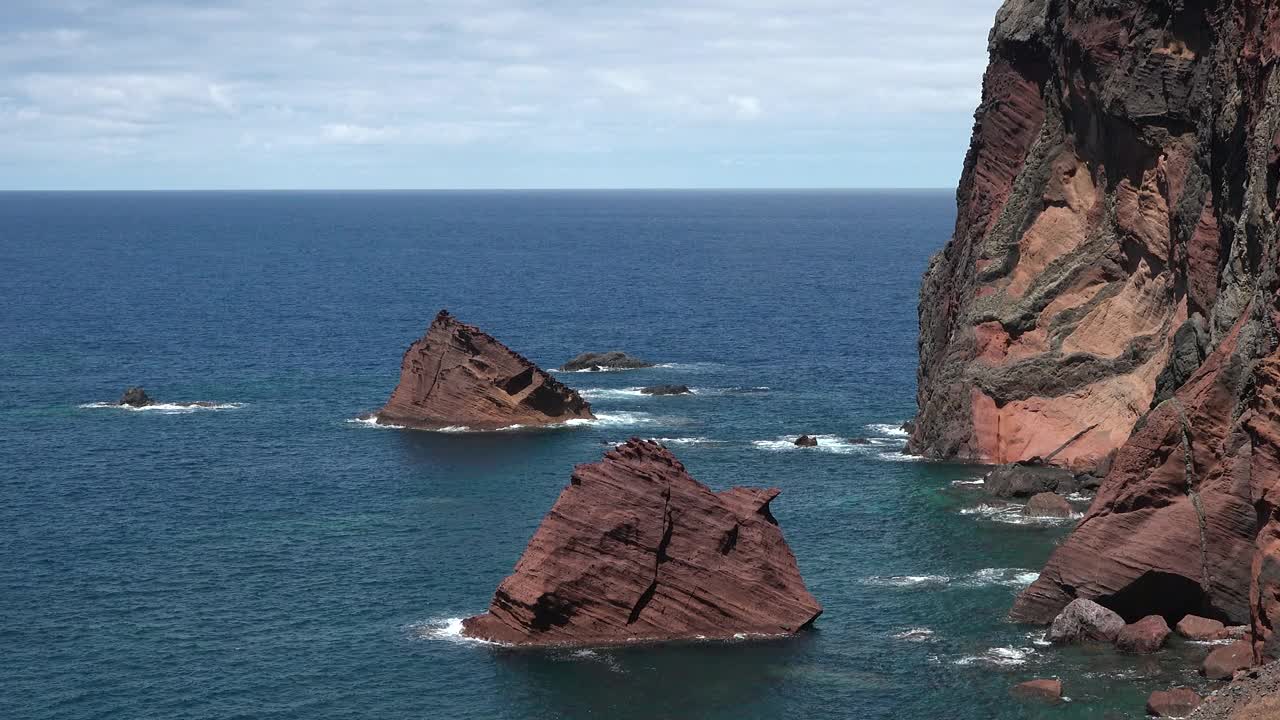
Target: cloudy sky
{"type": "Point", "coordinates": [172, 94]}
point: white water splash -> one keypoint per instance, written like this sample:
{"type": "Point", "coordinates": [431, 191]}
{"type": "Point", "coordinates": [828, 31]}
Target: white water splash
{"type": "Point", "coordinates": [165, 408]}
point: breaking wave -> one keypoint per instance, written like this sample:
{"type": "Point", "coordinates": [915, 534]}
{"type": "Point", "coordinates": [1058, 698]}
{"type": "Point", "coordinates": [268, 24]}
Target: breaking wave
{"type": "Point", "coordinates": [165, 408]}
{"type": "Point", "coordinates": [999, 657]}
{"type": "Point", "coordinates": [894, 431]}
{"type": "Point", "coordinates": [920, 634]}
{"type": "Point", "coordinates": [1011, 514]}
{"type": "Point", "coordinates": [446, 629]}
{"type": "Point", "coordinates": [986, 577]}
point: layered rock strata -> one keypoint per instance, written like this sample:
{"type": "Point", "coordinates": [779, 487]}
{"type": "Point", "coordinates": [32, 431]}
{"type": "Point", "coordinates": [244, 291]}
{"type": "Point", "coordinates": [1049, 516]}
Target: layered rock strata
{"type": "Point", "coordinates": [635, 549]}
{"type": "Point", "coordinates": [459, 376]}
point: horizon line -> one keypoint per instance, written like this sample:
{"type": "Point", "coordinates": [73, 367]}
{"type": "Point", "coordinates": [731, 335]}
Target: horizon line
{"type": "Point", "coordinates": [476, 189]}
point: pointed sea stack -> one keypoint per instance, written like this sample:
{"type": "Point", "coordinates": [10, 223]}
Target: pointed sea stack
{"type": "Point", "coordinates": [635, 549]}
{"type": "Point", "coordinates": [459, 376]}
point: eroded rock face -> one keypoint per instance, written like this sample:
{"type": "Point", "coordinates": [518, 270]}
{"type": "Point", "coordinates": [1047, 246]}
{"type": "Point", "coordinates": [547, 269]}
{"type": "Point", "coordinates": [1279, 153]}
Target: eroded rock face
{"type": "Point", "coordinates": [1223, 662]}
{"type": "Point", "coordinates": [1111, 286]}
{"type": "Point", "coordinates": [1017, 480]}
{"type": "Point", "coordinates": [635, 549]}
{"type": "Point", "coordinates": [1047, 505]}
{"type": "Point", "coordinates": [459, 376]}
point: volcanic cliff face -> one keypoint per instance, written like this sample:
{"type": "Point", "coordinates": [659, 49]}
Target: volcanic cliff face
{"type": "Point", "coordinates": [459, 376]}
{"type": "Point", "coordinates": [1111, 285]}
{"type": "Point", "coordinates": [636, 549]}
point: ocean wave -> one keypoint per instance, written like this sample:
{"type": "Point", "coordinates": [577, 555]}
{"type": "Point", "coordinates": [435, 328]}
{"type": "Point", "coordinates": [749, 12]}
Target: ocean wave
{"type": "Point", "coordinates": [618, 419]}
{"type": "Point", "coordinates": [612, 393]}
{"type": "Point", "coordinates": [613, 419]}
{"type": "Point", "coordinates": [596, 656]}
{"type": "Point", "coordinates": [165, 408]}
{"type": "Point", "coordinates": [979, 482]}
{"type": "Point", "coordinates": [1039, 637]}
{"type": "Point", "coordinates": [1011, 514]}
{"type": "Point", "coordinates": [1079, 497]}
{"type": "Point", "coordinates": [986, 577]}
{"type": "Point", "coordinates": [919, 634]}
{"type": "Point", "coordinates": [889, 430]}
{"type": "Point", "coordinates": [687, 441]}
{"type": "Point", "coordinates": [446, 629]}
{"type": "Point", "coordinates": [998, 656]}
{"type": "Point", "coordinates": [899, 456]}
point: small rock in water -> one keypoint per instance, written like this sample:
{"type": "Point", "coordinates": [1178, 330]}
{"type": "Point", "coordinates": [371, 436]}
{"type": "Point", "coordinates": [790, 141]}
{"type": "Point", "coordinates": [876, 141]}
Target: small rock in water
{"type": "Point", "coordinates": [1084, 621]}
{"type": "Point", "coordinates": [1026, 479]}
{"type": "Point", "coordinates": [1194, 627]}
{"type": "Point", "coordinates": [1048, 690]}
{"type": "Point", "coordinates": [1178, 702]}
{"type": "Point", "coordinates": [612, 360]}
{"type": "Point", "coordinates": [1223, 662]}
{"type": "Point", "coordinates": [1047, 504]}
{"type": "Point", "coordinates": [136, 397]}
{"type": "Point", "coordinates": [806, 441]}
{"type": "Point", "coordinates": [1143, 637]}
{"type": "Point", "coordinates": [666, 390]}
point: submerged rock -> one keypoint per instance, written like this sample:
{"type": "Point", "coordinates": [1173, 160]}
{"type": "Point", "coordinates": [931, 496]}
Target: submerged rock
{"type": "Point", "coordinates": [1144, 637]}
{"type": "Point", "coordinates": [1047, 690]}
{"type": "Point", "coordinates": [1047, 504]}
{"type": "Point", "coordinates": [459, 376]}
{"type": "Point", "coordinates": [1084, 621]}
{"type": "Point", "coordinates": [612, 360]}
{"type": "Point", "coordinates": [1017, 480]}
{"type": "Point", "coordinates": [635, 549]}
{"type": "Point", "coordinates": [1178, 702]}
{"type": "Point", "coordinates": [666, 390]}
{"type": "Point", "coordinates": [806, 441]}
{"type": "Point", "coordinates": [136, 397]}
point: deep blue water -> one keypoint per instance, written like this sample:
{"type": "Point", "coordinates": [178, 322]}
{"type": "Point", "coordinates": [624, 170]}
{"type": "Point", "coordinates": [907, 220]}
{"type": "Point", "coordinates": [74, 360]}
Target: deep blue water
{"type": "Point", "coordinates": [274, 559]}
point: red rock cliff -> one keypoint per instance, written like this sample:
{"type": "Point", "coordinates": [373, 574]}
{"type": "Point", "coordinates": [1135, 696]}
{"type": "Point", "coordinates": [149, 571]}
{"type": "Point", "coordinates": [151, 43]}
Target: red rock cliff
{"type": "Point", "coordinates": [636, 549]}
{"type": "Point", "coordinates": [1113, 275]}
{"type": "Point", "coordinates": [459, 376]}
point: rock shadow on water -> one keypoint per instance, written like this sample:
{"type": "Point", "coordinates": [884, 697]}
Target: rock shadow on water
{"type": "Point", "coordinates": [687, 679]}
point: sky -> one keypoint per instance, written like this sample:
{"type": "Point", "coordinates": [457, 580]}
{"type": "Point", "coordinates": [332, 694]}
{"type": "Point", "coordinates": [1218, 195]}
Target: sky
{"type": "Point", "coordinates": [322, 94]}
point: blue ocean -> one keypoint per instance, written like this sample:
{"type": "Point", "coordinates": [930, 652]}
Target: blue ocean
{"type": "Point", "coordinates": [270, 556]}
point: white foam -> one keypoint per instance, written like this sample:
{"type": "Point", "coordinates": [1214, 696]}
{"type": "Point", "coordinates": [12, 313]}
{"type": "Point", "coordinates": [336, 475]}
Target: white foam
{"type": "Point", "coordinates": [1011, 514]}
{"type": "Point", "coordinates": [900, 457]}
{"type": "Point", "coordinates": [612, 393]}
{"type": "Point", "coordinates": [1008, 577]}
{"type": "Point", "coordinates": [826, 443]}
{"type": "Point", "coordinates": [888, 430]}
{"type": "Point", "coordinates": [1039, 638]}
{"type": "Point", "coordinates": [1079, 497]}
{"type": "Point", "coordinates": [165, 408]}
{"type": "Point", "coordinates": [908, 581]}
{"type": "Point", "coordinates": [920, 634]}
{"type": "Point", "coordinates": [999, 656]}
{"type": "Point", "coordinates": [968, 483]}
{"type": "Point", "coordinates": [448, 630]}
{"type": "Point", "coordinates": [685, 441]}
{"type": "Point", "coordinates": [614, 419]}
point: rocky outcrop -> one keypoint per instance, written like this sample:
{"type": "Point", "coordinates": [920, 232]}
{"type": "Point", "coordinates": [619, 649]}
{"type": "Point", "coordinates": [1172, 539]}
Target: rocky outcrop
{"type": "Point", "coordinates": [1111, 292]}
{"type": "Point", "coordinates": [635, 549]}
{"type": "Point", "coordinates": [136, 397]}
{"type": "Point", "coordinates": [806, 441]}
{"type": "Point", "coordinates": [1194, 627]}
{"type": "Point", "coordinates": [666, 390]}
{"type": "Point", "coordinates": [1254, 696]}
{"type": "Point", "coordinates": [459, 376]}
{"type": "Point", "coordinates": [1084, 621]}
{"type": "Point", "coordinates": [1017, 480]}
{"type": "Point", "coordinates": [1178, 702]}
{"type": "Point", "coordinates": [611, 360]}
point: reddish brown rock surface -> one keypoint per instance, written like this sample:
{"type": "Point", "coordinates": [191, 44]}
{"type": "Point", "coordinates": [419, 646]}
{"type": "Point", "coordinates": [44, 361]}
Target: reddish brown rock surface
{"type": "Point", "coordinates": [459, 376]}
{"type": "Point", "coordinates": [1194, 627]}
{"type": "Point", "coordinates": [635, 549]}
{"type": "Point", "coordinates": [1178, 702]}
{"type": "Point", "coordinates": [1143, 637]}
{"type": "Point", "coordinates": [1111, 289]}
{"type": "Point", "coordinates": [1047, 690]}
{"type": "Point", "coordinates": [1223, 662]}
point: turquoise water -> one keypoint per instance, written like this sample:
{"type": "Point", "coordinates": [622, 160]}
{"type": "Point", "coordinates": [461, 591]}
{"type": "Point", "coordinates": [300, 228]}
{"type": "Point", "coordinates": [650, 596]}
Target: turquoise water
{"type": "Point", "coordinates": [274, 559]}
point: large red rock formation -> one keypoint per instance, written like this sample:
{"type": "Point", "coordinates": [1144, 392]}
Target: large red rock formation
{"type": "Point", "coordinates": [459, 376]}
{"type": "Point", "coordinates": [636, 549]}
{"type": "Point", "coordinates": [1112, 286]}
